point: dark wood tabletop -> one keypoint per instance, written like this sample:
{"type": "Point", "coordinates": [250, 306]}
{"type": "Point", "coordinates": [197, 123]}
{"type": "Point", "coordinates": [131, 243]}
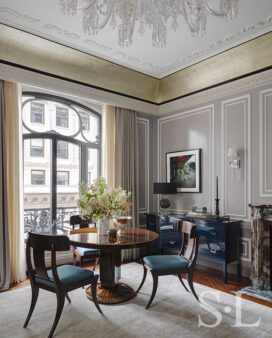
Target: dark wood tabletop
{"type": "Point", "coordinates": [132, 238]}
{"type": "Point", "coordinates": [111, 290]}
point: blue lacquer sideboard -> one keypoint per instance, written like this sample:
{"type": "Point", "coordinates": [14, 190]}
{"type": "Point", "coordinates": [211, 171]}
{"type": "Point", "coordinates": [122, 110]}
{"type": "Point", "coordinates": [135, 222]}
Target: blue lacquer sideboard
{"type": "Point", "coordinates": [218, 239]}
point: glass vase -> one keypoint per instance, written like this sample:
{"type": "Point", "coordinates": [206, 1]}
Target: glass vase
{"type": "Point", "coordinates": [103, 226]}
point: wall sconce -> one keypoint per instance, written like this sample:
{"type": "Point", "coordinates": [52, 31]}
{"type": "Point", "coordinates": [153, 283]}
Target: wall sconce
{"type": "Point", "coordinates": [234, 159]}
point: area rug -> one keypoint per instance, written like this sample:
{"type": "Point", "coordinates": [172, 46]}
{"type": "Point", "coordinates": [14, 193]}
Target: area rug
{"type": "Point", "coordinates": [174, 313]}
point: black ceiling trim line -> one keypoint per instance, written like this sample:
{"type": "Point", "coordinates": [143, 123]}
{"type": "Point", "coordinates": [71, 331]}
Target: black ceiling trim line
{"type": "Point", "coordinates": [217, 84]}
{"type": "Point", "coordinates": [129, 96]}
{"type": "Point", "coordinates": [75, 81]}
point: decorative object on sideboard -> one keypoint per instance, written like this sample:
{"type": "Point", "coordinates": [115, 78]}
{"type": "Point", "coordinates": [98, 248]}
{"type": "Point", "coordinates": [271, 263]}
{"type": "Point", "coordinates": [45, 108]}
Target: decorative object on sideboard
{"type": "Point", "coordinates": [165, 189]}
{"type": "Point", "coordinates": [184, 169]}
{"type": "Point", "coordinates": [234, 159]}
{"type": "Point", "coordinates": [217, 212]}
{"type": "Point", "coordinates": [154, 15]}
{"type": "Point", "coordinates": [200, 210]}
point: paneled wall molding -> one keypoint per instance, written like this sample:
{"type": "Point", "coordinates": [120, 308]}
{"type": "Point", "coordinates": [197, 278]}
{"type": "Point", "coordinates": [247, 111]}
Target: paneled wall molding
{"type": "Point", "coordinates": [263, 124]}
{"type": "Point", "coordinates": [244, 84]}
{"type": "Point", "coordinates": [245, 248]}
{"type": "Point", "coordinates": [205, 109]}
{"type": "Point", "coordinates": [145, 123]}
{"type": "Point", "coordinates": [246, 165]}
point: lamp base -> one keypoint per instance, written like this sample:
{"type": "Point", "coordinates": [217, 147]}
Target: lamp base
{"type": "Point", "coordinates": [165, 203]}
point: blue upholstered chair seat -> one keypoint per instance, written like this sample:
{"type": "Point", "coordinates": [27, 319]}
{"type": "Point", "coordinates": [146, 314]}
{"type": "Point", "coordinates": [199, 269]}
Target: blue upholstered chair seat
{"type": "Point", "coordinates": [68, 274]}
{"type": "Point", "coordinates": [86, 251]}
{"type": "Point", "coordinates": [166, 262]}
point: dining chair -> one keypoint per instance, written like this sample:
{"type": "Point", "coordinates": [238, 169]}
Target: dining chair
{"type": "Point", "coordinates": [59, 280]}
{"type": "Point", "coordinates": [83, 253]}
{"type": "Point", "coordinates": [182, 263]}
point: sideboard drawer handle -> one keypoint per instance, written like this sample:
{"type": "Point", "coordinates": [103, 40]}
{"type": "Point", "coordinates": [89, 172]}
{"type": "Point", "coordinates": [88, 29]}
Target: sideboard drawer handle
{"type": "Point", "coordinates": [213, 232]}
{"type": "Point", "coordinates": [173, 242]}
{"type": "Point", "coordinates": [213, 251]}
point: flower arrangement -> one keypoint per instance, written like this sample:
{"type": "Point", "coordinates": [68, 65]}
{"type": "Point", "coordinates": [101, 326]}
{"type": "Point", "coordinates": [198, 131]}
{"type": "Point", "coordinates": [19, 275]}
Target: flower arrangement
{"type": "Point", "coordinates": [101, 201]}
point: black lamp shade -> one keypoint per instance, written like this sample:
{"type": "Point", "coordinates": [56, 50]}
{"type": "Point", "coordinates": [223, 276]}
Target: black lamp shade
{"type": "Point", "coordinates": [165, 188]}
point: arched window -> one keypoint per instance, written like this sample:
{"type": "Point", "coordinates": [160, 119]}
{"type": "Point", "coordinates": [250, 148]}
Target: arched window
{"type": "Point", "coordinates": [61, 148]}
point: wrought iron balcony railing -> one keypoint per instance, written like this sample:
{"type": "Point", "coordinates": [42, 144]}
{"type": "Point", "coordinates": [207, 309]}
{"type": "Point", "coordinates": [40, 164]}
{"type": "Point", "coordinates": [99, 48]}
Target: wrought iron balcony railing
{"type": "Point", "coordinates": [39, 220]}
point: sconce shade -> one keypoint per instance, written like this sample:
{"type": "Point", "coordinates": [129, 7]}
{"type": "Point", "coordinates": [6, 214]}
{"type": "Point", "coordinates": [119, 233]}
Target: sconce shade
{"type": "Point", "coordinates": [232, 153]}
{"type": "Point", "coordinates": [165, 188]}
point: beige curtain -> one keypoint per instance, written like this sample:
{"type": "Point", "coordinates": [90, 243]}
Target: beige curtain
{"type": "Point", "coordinates": [4, 233]}
{"type": "Point", "coordinates": [126, 164]}
{"type": "Point", "coordinates": [14, 182]}
{"type": "Point", "coordinates": [108, 144]}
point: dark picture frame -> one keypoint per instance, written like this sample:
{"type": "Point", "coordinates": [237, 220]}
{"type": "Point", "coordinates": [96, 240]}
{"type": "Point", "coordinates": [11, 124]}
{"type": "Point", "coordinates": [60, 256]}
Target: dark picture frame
{"type": "Point", "coordinates": [184, 169]}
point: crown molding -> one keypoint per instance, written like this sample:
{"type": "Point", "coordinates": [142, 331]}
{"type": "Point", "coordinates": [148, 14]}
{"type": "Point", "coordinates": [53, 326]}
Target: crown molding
{"type": "Point", "coordinates": [69, 38]}
{"type": "Point", "coordinates": [244, 84]}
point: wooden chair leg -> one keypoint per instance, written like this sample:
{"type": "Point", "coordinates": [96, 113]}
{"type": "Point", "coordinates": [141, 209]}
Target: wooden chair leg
{"type": "Point", "coordinates": [93, 286]}
{"type": "Point", "coordinates": [74, 259]}
{"type": "Point", "coordinates": [81, 262]}
{"type": "Point", "coordinates": [190, 282]}
{"type": "Point", "coordinates": [155, 285]}
{"type": "Point", "coordinates": [95, 263]}
{"type": "Point", "coordinates": [143, 280]}
{"type": "Point", "coordinates": [68, 298]}
{"type": "Point", "coordinates": [35, 294]}
{"type": "Point", "coordinates": [180, 278]}
{"type": "Point", "coordinates": [60, 300]}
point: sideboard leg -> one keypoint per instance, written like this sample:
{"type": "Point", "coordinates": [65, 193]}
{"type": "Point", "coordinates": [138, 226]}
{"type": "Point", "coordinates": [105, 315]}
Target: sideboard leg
{"type": "Point", "coordinates": [225, 278]}
{"type": "Point", "coordinates": [239, 268]}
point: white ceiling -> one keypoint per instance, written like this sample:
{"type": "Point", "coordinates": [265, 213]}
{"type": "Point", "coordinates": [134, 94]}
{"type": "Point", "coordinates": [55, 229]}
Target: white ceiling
{"type": "Point", "coordinates": [44, 19]}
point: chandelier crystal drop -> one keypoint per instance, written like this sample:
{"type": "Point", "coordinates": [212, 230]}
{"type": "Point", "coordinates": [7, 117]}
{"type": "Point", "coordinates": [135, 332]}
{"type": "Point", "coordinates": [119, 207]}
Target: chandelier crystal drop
{"type": "Point", "coordinates": [126, 15]}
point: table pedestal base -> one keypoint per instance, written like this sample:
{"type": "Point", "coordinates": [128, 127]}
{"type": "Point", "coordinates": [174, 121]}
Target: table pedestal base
{"type": "Point", "coordinates": [121, 293]}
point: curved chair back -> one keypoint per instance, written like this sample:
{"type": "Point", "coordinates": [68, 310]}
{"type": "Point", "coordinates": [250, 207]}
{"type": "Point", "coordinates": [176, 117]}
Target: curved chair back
{"type": "Point", "coordinates": [189, 246]}
{"type": "Point", "coordinates": [41, 243]}
{"type": "Point", "coordinates": [82, 222]}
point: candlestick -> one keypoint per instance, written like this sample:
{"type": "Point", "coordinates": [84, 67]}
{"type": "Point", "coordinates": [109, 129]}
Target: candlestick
{"type": "Point", "coordinates": [216, 186]}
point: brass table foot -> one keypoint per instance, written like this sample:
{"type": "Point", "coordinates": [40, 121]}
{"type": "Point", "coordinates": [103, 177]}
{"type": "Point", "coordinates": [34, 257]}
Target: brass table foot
{"type": "Point", "coordinates": [120, 293]}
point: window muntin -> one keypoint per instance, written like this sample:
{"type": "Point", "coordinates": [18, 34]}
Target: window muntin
{"type": "Point", "coordinates": [37, 177]}
{"type": "Point", "coordinates": [62, 117]}
{"type": "Point", "coordinates": [62, 177]}
{"type": "Point", "coordinates": [37, 112]}
{"type": "Point", "coordinates": [62, 149]}
{"type": "Point", "coordinates": [85, 120]}
{"type": "Point", "coordinates": [37, 147]}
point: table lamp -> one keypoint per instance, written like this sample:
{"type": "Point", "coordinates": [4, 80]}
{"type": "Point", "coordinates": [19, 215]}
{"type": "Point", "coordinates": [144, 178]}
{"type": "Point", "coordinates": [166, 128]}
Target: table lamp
{"type": "Point", "coordinates": [165, 189]}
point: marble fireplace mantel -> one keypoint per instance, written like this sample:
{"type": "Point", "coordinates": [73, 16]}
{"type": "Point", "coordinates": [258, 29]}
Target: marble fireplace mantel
{"type": "Point", "coordinates": [261, 222]}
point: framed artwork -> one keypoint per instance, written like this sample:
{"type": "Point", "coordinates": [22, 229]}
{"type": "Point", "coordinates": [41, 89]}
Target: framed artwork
{"type": "Point", "coordinates": [183, 168]}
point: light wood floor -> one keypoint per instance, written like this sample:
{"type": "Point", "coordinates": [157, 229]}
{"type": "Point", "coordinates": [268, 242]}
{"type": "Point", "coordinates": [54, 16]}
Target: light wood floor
{"type": "Point", "coordinates": [203, 275]}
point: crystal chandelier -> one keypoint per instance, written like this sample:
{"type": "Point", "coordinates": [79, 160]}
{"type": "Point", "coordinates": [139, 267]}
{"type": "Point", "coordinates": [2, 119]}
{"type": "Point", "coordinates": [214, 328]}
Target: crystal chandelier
{"type": "Point", "coordinates": [151, 14]}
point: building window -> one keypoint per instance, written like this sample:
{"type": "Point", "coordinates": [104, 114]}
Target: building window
{"type": "Point", "coordinates": [85, 119]}
{"type": "Point", "coordinates": [36, 147]}
{"type": "Point", "coordinates": [37, 112]}
{"type": "Point", "coordinates": [62, 117]}
{"type": "Point", "coordinates": [89, 178]}
{"type": "Point", "coordinates": [37, 177]}
{"type": "Point", "coordinates": [62, 177]}
{"type": "Point", "coordinates": [62, 149]}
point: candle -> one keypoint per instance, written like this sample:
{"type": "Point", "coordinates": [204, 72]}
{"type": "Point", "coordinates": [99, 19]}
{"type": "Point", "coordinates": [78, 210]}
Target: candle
{"type": "Point", "coordinates": [216, 186]}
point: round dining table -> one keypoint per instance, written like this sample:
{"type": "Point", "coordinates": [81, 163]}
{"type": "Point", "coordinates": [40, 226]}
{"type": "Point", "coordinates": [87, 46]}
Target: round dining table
{"type": "Point", "coordinates": [110, 290]}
